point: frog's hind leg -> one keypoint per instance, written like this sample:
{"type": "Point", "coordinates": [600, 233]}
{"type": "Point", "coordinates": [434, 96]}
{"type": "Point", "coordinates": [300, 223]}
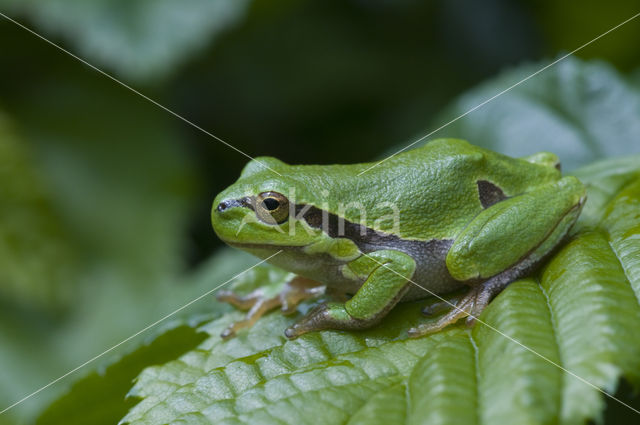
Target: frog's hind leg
{"type": "Point", "coordinates": [471, 304]}
{"type": "Point", "coordinates": [258, 302]}
{"type": "Point", "coordinates": [549, 212]}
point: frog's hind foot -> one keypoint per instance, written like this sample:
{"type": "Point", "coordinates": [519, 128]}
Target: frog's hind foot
{"type": "Point", "coordinates": [469, 305]}
{"type": "Point", "coordinates": [258, 302]}
{"type": "Point", "coordinates": [440, 306]}
{"type": "Point", "coordinates": [463, 308]}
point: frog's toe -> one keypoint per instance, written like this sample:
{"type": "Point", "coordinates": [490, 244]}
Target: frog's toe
{"type": "Point", "coordinates": [462, 308]}
{"type": "Point", "coordinates": [439, 306]}
{"type": "Point", "coordinates": [450, 318]}
{"type": "Point", "coordinates": [259, 308]}
{"type": "Point", "coordinates": [298, 329]}
{"type": "Point", "coordinates": [471, 320]}
{"type": "Point", "coordinates": [298, 290]}
{"type": "Point", "coordinates": [294, 331]}
{"type": "Point", "coordinates": [228, 333]}
{"type": "Point", "coordinates": [317, 319]}
{"type": "Point", "coordinates": [242, 302]}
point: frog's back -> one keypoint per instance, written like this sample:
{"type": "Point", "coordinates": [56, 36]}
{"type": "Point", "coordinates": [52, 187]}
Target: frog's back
{"type": "Point", "coordinates": [423, 194]}
{"type": "Point", "coordinates": [436, 187]}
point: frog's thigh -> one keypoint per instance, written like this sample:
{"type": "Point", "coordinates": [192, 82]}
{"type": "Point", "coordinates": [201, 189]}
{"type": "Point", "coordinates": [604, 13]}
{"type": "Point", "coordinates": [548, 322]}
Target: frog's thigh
{"type": "Point", "coordinates": [518, 228]}
{"type": "Point", "coordinates": [388, 273]}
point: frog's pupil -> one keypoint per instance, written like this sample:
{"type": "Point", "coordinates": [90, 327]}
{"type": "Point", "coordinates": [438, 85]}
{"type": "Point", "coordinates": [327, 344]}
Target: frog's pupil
{"type": "Point", "coordinates": [271, 204]}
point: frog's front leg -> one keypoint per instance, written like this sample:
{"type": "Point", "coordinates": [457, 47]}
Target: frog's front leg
{"type": "Point", "coordinates": [276, 290]}
{"type": "Point", "coordinates": [387, 274]}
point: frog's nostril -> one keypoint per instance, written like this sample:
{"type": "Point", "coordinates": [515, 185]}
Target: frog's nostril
{"type": "Point", "coordinates": [231, 203]}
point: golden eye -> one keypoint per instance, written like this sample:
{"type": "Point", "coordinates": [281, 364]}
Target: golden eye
{"type": "Point", "coordinates": [272, 207]}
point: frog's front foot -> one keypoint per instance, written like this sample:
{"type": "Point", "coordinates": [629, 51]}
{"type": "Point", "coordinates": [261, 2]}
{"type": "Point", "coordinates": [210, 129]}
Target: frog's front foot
{"type": "Point", "coordinates": [326, 316]}
{"type": "Point", "coordinates": [315, 319]}
{"type": "Point", "coordinates": [258, 302]}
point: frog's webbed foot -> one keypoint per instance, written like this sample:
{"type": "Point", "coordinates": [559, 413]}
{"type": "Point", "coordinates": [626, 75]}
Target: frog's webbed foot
{"type": "Point", "coordinates": [260, 301]}
{"type": "Point", "coordinates": [470, 305]}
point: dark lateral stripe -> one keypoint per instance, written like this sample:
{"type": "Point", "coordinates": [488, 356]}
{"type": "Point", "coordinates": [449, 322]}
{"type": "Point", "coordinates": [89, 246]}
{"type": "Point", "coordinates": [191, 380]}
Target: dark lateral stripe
{"type": "Point", "coordinates": [489, 193]}
{"type": "Point", "coordinates": [246, 202]}
{"type": "Point", "coordinates": [429, 255]}
{"type": "Point", "coordinates": [336, 226]}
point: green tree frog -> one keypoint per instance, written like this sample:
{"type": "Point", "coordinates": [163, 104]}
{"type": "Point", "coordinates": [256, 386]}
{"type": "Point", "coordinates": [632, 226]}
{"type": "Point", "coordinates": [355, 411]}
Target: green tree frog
{"type": "Point", "coordinates": [445, 216]}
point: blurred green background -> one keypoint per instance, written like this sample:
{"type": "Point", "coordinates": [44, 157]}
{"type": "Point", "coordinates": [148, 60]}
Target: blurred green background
{"type": "Point", "coordinates": [105, 198]}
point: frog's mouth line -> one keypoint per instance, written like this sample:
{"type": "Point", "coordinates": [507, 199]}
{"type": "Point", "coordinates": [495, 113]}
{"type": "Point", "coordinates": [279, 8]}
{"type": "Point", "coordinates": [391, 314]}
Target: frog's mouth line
{"type": "Point", "coordinates": [263, 245]}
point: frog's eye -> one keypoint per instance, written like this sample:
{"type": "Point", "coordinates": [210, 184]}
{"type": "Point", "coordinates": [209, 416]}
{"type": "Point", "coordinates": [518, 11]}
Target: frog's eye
{"type": "Point", "coordinates": [272, 207]}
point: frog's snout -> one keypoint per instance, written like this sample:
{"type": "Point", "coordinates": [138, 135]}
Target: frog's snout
{"type": "Point", "coordinates": [223, 206]}
{"type": "Point", "coordinates": [227, 204]}
{"type": "Point", "coordinates": [227, 215]}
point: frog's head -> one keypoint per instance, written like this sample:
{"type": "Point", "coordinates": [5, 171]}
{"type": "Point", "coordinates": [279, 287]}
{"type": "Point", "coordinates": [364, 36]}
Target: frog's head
{"type": "Point", "coordinates": [258, 212]}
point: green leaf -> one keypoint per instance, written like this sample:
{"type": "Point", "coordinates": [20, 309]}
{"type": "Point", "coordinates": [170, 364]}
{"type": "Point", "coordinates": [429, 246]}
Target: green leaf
{"type": "Point", "coordinates": [99, 397]}
{"type": "Point", "coordinates": [43, 354]}
{"type": "Point", "coordinates": [259, 373]}
{"type": "Point", "coordinates": [604, 179]}
{"type": "Point", "coordinates": [622, 223]}
{"type": "Point", "coordinates": [567, 109]}
{"type": "Point", "coordinates": [596, 317]}
{"type": "Point", "coordinates": [94, 230]}
{"type": "Point", "coordinates": [443, 383]}
{"type": "Point", "coordinates": [139, 40]}
{"type": "Point", "coordinates": [32, 242]}
{"type": "Point", "coordinates": [515, 384]}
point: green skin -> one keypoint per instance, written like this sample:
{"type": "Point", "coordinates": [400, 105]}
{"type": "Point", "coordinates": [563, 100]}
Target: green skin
{"type": "Point", "coordinates": [467, 217]}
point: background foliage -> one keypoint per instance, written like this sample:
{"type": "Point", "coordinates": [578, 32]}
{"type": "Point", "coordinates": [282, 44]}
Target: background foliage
{"type": "Point", "coordinates": [105, 198]}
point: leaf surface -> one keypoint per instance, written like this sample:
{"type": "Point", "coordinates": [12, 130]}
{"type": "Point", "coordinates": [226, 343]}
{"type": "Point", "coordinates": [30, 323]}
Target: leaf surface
{"type": "Point", "coordinates": [139, 40]}
{"type": "Point", "coordinates": [113, 382]}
